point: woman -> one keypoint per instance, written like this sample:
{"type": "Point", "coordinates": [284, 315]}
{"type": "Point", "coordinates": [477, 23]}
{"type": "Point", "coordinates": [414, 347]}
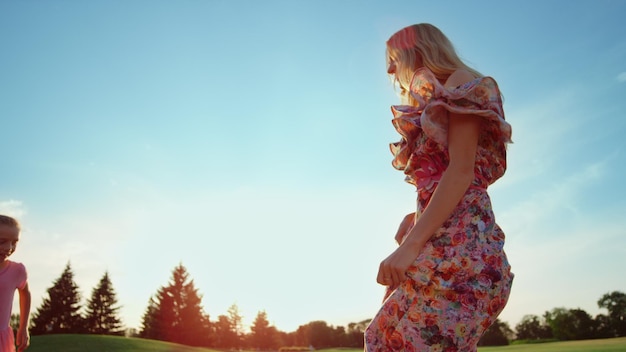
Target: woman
{"type": "Point", "coordinates": [449, 278]}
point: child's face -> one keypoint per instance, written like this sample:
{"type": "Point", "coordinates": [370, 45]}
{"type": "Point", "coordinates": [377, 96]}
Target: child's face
{"type": "Point", "coordinates": [9, 236]}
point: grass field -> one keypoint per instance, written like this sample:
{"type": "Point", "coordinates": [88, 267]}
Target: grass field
{"type": "Point", "coordinates": [95, 343]}
{"type": "Point", "coordinates": [606, 345]}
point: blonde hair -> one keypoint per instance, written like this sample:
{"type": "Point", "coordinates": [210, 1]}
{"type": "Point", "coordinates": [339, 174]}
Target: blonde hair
{"type": "Point", "coordinates": [9, 221]}
{"type": "Point", "coordinates": [423, 45]}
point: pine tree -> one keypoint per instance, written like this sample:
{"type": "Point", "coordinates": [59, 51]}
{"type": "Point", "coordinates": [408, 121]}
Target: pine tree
{"type": "Point", "coordinates": [263, 336]}
{"type": "Point", "coordinates": [59, 312]}
{"type": "Point", "coordinates": [236, 325]}
{"type": "Point", "coordinates": [150, 322]}
{"type": "Point", "coordinates": [226, 337]}
{"type": "Point", "coordinates": [102, 310]}
{"type": "Point", "coordinates": [176, 315]}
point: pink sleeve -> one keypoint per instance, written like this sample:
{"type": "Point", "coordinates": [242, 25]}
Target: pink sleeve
{"type": "Point", "coordinates": [22, 276]}
{"type": "Point", "coordinates": [480, 97]}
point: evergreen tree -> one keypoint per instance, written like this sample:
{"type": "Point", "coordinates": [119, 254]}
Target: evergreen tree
{"type": "Point", "coordinates": [236, 325]}
{"type": "Point", "coordinates": [59, 312]}
{"type": "Point", "coordinates": [102, 310]}
{"type": "Point", "coordinates": [263, 336]}
{"type": "Point", "coordinates": [194, 323]}
{"type": "Point", "coordinates": [226, 338]}
{"type": "Point", "coordinates": [150, 322]}
{"type": "Point", "coordinates": [176, 315]}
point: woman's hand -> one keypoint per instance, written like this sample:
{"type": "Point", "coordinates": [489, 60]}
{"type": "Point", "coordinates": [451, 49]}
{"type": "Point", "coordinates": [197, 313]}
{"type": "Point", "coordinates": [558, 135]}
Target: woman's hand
{"type": "Point", "coordinates": [405, 226]}
{"type": "Point", "coordinates": [391, 271]}
{"type": "Point", "coordinates": [23, 339]}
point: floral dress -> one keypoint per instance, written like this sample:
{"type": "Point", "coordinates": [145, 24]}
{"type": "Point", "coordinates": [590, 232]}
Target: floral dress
{"type": "Point", "coordinates": [461, 280]}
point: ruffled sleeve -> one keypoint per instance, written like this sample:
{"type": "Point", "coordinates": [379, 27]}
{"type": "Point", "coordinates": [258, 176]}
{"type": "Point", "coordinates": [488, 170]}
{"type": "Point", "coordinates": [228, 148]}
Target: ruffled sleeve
{"type": "Point", "coordinates": [406, 120]}
{"type": "Point", "coordinates": [480, 97]}
{"type": "Point", "coordinates": [422, 152]}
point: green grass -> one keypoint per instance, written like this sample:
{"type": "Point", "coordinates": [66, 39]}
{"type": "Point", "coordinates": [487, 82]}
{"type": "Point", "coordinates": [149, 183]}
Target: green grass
{"type": "Point", "coordinates": [97, 343]}
{"type": "Point", "coordinates": [605, 345]}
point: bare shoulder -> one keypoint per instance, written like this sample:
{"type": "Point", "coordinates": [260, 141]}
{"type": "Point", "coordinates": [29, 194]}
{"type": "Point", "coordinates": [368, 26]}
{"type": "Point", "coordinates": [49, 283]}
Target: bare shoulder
{"type": "Point", "coordinates": [459, 77]}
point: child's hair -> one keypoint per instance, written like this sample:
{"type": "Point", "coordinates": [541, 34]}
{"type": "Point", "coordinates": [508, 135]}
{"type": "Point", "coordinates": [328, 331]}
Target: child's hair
{"type": "Point", "coordinates": [9, 221]}
{"type": "Point", "coordinates": [423, 45]}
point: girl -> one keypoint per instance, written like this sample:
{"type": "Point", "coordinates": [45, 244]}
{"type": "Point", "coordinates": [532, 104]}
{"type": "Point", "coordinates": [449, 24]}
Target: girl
{"type": "Point", "coordinates": [449, 278]}
{"type": "Point", "coordinates": [12, 277]}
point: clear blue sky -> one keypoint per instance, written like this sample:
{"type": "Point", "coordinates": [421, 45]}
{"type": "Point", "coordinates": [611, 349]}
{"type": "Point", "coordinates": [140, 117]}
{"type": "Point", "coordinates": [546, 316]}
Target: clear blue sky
{"type": "Point", "coordinates": [249, 141]}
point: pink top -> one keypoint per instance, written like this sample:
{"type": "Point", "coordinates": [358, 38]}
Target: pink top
{"type": "Point", "coordinates": [423, 154]}
{"type": "Point", "coordinates": [12, 277]}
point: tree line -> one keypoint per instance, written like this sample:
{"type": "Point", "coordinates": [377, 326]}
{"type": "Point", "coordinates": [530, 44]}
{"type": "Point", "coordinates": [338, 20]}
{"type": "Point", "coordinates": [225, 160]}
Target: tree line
{"type": "Point", "coordinates": [61, 312]}
{"type": "Point", "coordinates": [175, 314]}
{"type": "Point", "coordinates": [564, 324]}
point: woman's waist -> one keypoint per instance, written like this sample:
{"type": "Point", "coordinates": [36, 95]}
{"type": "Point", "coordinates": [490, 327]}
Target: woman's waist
{"type": "Point", "coordinates": [460, 265]}
{"type": "Point", "coordinates": [474, 194]}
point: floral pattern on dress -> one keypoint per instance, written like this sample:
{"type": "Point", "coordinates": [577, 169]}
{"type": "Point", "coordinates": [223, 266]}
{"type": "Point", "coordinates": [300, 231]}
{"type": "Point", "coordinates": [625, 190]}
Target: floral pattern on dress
{"type": "Point", "coordinates": [461, 280]}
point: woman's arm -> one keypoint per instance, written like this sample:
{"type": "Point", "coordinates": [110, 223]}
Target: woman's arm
{"type": "Point", "coordinates": [23, 337]}
{"type": "Point", "coordinates": [463, 142]}
{"type": "Point", "coordinates": [463, 133]}
{"type": "Point", "coordinates": [405, 226]}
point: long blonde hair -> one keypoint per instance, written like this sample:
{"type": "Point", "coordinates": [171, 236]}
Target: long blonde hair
{"type": "Point", "coordinates": [423, 45]}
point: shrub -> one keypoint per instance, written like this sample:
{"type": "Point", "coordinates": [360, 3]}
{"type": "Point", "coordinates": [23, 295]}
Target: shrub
{"type": "Point", "coordinates": [531, 341]}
